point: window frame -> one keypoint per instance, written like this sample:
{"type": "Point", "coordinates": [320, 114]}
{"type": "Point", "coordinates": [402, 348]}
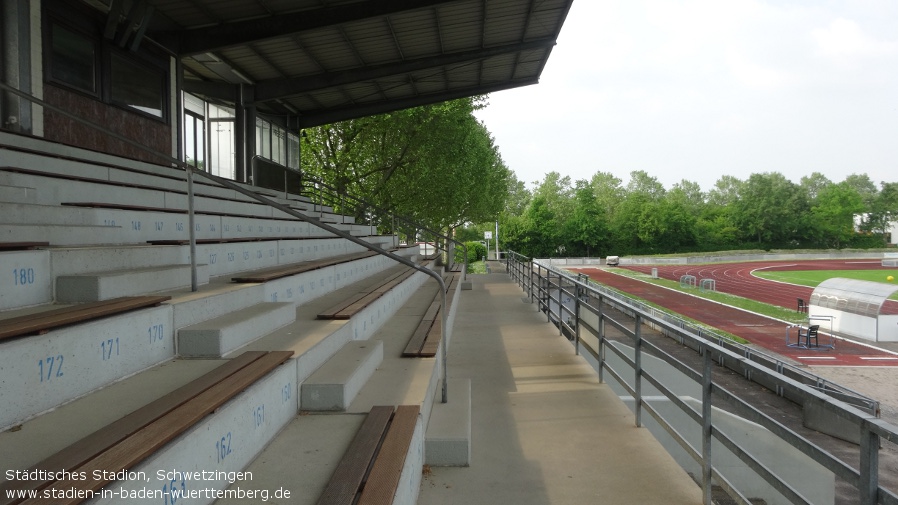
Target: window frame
{"type": "Point", "coordinates": [54, 23]}
{"type": "Point", "coordinates": [133, 59]}
{"type": "Point", "coordinates": [89, 26]}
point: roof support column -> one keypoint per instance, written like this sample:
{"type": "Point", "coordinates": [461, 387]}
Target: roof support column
{"type": "Point", "coordinates": [15, 64]}
{"type": "Point", "coordinates": [245, 129]}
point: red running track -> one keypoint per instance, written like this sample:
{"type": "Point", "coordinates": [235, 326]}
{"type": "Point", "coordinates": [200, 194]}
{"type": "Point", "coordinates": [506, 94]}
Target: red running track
{"type": "Point", "coordinates": [737, 278]}
{"type": "Point", "coordinates": [761, 331]}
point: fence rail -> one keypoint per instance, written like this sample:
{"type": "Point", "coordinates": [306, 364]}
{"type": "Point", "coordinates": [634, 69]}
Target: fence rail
{"type": "Point", "coordinates": [577, 307]}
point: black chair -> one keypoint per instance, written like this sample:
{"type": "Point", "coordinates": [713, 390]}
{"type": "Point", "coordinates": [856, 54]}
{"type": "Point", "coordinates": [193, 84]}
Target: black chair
{"type": "Point", "coordinates": [801, 306]}
{"type": "Point", "coordinates": [808, 335]}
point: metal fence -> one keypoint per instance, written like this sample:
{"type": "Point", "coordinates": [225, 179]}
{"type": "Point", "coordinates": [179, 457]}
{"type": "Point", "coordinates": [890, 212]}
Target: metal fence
{"type": "Point", "coordinates": [572, 302]}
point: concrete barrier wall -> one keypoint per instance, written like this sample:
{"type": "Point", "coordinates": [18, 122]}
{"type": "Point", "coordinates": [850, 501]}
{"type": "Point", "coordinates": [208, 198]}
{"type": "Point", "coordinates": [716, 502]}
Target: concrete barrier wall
{"type": "Point", "coordinates": [722, 258]}
{"type": "Point", "coordinates": [731, 258]}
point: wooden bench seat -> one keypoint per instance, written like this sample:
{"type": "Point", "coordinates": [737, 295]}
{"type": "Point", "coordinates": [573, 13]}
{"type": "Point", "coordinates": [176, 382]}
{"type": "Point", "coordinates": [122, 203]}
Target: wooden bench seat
{"type": "Point", "coordinates": [42, 322]}
{"type": "Point", "coordinates": [128, 441]}
{"type": "Point", "coordinates": [351, 306]}
{"type": "Point", "coordinates": [425, 340]}
{"type": "Point", "coordinates": [278, 272]}
{"type": "Point", "coordinates": [22, 246]}
{"type": "Point", "coordinates": [222, 240]}
{"type": "Point", "coordinates": [372, 465]}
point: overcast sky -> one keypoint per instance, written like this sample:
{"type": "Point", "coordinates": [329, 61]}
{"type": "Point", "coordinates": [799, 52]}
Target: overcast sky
{"type": "Point", "coordinates": [696, 89]}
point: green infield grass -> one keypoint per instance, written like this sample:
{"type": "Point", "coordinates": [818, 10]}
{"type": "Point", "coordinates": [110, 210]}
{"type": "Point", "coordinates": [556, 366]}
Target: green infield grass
{"type": "Point", "coordinates": [812, 278]}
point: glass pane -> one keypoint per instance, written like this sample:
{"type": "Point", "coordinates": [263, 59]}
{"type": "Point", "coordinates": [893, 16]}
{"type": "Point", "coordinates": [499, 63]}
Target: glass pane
{"type": "Point", "coordinates": [194, 141]}
{"type": "Point", "coordinates": [73, 60]}
{"type": "Point", "coordinates": [200, 144]}
{"type": "Point", "coordinates": [293, 151]}
{"type": "Point", "coordinates": [219, 111]}
{"type": "Point", "coordinates": [137, 86]}
{"type": "Point", "coordinates": [222, 155]}
{"type": "Point", "coordinates": [278, 146]}
{"type": "Point", "coordinates": [264, 146]}
{"type": "Point", "coordinates": [189, 140]}
{"type": "Point", "coordinates": [258, 137]}
{"type": "Point", "coordinates": [194, 104]}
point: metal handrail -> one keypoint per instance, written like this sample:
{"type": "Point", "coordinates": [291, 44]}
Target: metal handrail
{"type": "Point", "coordinates": [872, 431]}
{"type": "Point", "coordinates": [319, 183]}
{"type": "Point", "coordinates": [815, 381]}
{"type": "Point", "coordinates": [191, 171]}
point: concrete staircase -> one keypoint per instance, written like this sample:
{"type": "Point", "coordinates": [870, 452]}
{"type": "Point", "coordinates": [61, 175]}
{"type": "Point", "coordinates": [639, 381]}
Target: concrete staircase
{"type": "Point", "coordinates": [60, 386]}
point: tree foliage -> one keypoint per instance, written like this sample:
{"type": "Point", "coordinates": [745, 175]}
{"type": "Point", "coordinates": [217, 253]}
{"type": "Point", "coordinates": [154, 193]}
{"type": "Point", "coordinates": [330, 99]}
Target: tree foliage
{"type": "Point", "coordinates": [435, 164]}
{"type": "Point", "coordinates": [604, 215]}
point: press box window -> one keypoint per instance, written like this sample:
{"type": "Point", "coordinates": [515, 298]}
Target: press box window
{"type": "Point", "coordinates": [74, 59]}
{"type": "Point", "coordinates": [137, 86]}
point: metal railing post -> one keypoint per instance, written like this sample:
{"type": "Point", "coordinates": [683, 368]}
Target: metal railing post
{"type": "Point", "coordinates": [868, 483]}
{"type": "Point", "coordinates": [577, 319]}
{"type": "Point", "coordinates": [530, 280]}
{"type": "Point", "coordinates": [444, 344]}
{"type": "Point", "coordinates": [602, 344]}
{"type": "Point", "coordinates": [706, 426]}
{"type": "Point", "coordinates": [191, 222]}
{"type": "Point", "coordinates": [638, 370]}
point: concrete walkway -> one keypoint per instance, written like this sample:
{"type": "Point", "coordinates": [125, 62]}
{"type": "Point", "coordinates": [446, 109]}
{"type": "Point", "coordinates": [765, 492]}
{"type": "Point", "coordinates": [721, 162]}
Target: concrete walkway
{"type": "Point", "coordinates": [544, 431]}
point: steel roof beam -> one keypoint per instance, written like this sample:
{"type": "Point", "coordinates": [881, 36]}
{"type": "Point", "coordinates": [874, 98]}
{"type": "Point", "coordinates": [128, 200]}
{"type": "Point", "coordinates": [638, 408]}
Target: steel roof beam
{"type": "Point", "coordinates": [202, 40]}
{"type": "Point", "coordinates": [351, 112]}
{"type": "Point", "coordinates": [280, 88]}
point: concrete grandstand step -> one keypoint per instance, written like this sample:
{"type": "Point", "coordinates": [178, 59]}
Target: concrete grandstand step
{"type": "Point", "coordinates": [447, 440]}
{"type": "Point", "coordinates": [43, 371]}
{"type": "Point", "coordinates": [138, 224]}
{"type": "Point", "coordinates": [57, 190]}
{"type": "Point", "coordinates": [90, 287]}
{"type": "Point", "coordinates": [17, 194]}
{"type": "Point", "coordinates": [225, 441]}
{"type": "Point", "coordinates": [219, 297]}
{"type": "Point", "coordinates": [314, 341]}
{"type": "Point", "coordinates": [335, 384]}
{"type": "Point", "coordinates": [418, 376]}
{"type": "Point", "coordinates": [28, 280]}
{"type": "Point", "coordinates": [220, 258]}
{"type": "Point", "coordinates": [396, 381]}
{"type": "Point", "coordinates": [62, 235]}
{"type": "Point", "coordinates": [223, 334]}
{"type": "Point", "coordinates": [69, 160]}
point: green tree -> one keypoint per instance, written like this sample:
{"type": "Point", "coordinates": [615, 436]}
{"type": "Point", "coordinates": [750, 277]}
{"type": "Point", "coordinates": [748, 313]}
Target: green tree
{"type": "Point", "coordinates": [833, 214]}
{"type": "Point", "coordinates": [883, 211]}
{"type": "Point", "coordinates": [540, 235]}
{"type": "Point", "coordinates": [436, 164]}
{"type": "Point", "coordinates": [813, 184]}
{"type": "Point", "coordinates": [769, 209]}
{"type": "Point", "coordinates": [586, 229]}
{"type": "Point", "coordinates": [667, 225]}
